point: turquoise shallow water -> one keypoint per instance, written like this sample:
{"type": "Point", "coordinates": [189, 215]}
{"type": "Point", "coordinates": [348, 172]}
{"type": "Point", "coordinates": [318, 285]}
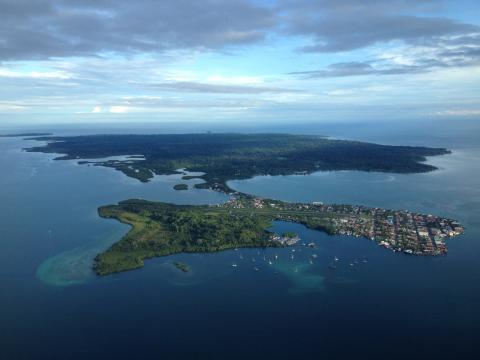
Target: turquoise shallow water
{"type": "Point", "coordinates": [50, 232]}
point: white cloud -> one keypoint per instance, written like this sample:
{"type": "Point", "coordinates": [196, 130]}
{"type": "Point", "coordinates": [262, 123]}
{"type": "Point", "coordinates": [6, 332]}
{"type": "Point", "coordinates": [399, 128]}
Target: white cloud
{"type": "Point", "coordinates": [96, 110]}
{"type": "Point", "coordinates": [35, 74]}
{"type": "Point", "coordinates": [119, 109]}
{"type": "Point", "coordinates": [340, 92]}
{"type": "Point", "coordinates": [234, 80]}
{"type": "Point", "coordinates": [11, 107]}
{"type": "Point", "coordinates": [459, 112]}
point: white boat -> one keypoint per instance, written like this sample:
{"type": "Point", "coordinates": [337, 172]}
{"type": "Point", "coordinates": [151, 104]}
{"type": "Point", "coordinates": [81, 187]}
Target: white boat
{"type": "Point", "coordinates": [234, 265]}
{"type": "Point", "coordinates": [336, 258]}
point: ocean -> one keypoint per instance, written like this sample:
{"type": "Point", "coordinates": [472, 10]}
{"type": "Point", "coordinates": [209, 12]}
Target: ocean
{"type": "Point", "coordinates": [386, 305]}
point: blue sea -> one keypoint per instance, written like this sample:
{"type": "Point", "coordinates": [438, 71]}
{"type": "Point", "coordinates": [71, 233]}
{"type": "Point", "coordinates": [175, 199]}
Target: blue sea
{"type": "Point", "coordinates": [385, 305]}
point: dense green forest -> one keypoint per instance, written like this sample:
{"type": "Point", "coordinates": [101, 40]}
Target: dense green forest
{"type": "Point", "coordinates": [160, 229]}
{"type": "Point", "coordinates": [224, 157]}
{"type": "Point", "coordinates": [180, 187]}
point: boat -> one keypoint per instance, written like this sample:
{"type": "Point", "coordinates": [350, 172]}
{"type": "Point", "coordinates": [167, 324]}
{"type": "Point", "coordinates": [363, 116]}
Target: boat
{"type": "Point", "coordinates": [336, 258]}
{"type": "Point", "coordinates": [256, 268]}
{"type": "Point", "coordinates": [234, 265]}
{"type": "Point", "coordinates": [276, 256]}
{"type": "Point", "coordinates": [270, 262]}
{"type": "Point", "coordinates": [364, 261]}
{"type": "Point", "coordinates": [314, 256]}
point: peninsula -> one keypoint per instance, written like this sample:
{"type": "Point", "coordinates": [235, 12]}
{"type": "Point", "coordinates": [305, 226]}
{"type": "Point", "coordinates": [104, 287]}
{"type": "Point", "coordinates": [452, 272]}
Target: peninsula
{"type": "Point", "coordinates": [160, 229]}
{"type": "Point", "coordinates": [223, 157]}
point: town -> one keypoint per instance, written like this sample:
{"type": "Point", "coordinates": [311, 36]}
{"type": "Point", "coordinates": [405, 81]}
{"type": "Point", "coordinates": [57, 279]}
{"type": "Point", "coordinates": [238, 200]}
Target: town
{"type": "Point", "coordinates": [398, 230]}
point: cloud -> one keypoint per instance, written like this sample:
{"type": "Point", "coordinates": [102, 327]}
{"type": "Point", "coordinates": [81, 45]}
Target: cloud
{"type": "Point", "coordinates": [407, 60]}
{"type": "Point", "coordinates": [11, 107]}
{"type": "Point", "coordinates": [340, 92]}
{"type": "Point", "coordinates": [336, 26]}
{"type": "Point", "coordinates": [96, 110]}
{"type": "Point", "coordinates": [118, 109]}
{"type": "Point", "coordinates": [459, 112]}
{"type": "Point", "coordinates": [209, 88]}
{"type": "Point", "coordinates": [46, 29]}
{"type": "Point", "coordinates": [356, 68]}
{"type": "Point", "coordinates": [61, 28]}
{"type": "Point", "coordinates": [34, 74]}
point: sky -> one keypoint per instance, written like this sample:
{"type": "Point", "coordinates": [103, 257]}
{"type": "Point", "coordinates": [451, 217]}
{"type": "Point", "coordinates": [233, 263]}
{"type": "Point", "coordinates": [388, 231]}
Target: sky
{"type": "Point", "coordinates": [94, 61]}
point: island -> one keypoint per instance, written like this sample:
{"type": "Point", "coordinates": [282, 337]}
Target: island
{"type": "Point", "coordinates": [180, 187]}
{"type": "Point", "coordinates": [161, 229]}
{"type": "Point", "coordinates": [233, 156]}
{"type": "Point", "coordinates": [181, 266]}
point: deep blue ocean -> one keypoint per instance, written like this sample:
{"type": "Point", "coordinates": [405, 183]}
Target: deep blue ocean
{"type": "Point", "coordinates": [391, 306]}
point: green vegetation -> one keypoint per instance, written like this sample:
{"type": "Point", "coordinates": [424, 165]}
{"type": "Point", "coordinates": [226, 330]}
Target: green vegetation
{"type": "Point", "coordinates": [181, 266]}
{"type": "Point", "coordinates": [160, 229]}
{"type": "Point", "coordinates": [190, 177]}
{"type": "Point", "coordinates": [180, 187]}
{"type": "Point", "coordinates": [224, 157]}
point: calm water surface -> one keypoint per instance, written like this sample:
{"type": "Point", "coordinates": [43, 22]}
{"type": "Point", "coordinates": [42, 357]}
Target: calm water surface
{"type": "Point", "coordinates": [392, 305]}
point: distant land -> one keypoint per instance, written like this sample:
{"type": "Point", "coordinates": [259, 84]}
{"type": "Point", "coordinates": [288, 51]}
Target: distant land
{"type": "Point", "coordinates": [223, 157]}
{"type": "Point", "coordinates": [161, 229]}
{"type": "Point", "coordinates": [26, 134]}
